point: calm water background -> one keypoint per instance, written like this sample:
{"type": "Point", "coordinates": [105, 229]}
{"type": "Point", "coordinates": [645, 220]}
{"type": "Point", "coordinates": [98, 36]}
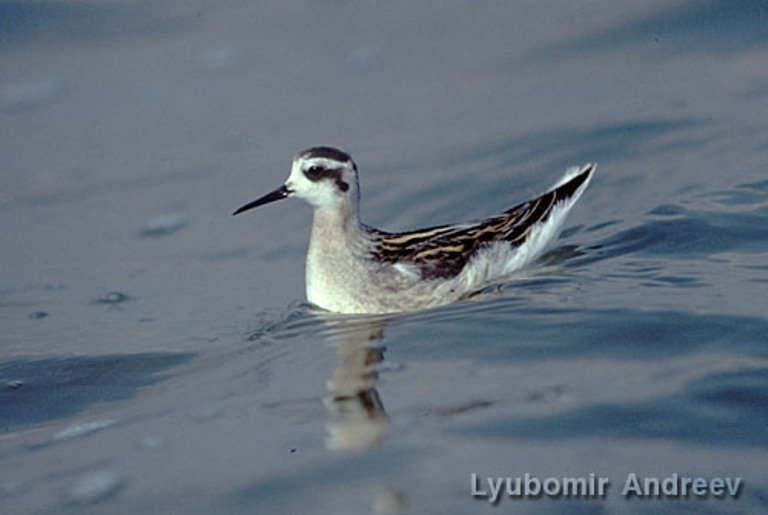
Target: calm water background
{"type": "Point", "coordinates": [155, 354]}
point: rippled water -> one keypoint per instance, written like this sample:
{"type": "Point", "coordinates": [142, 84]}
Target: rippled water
{"type": "Point", "coordinates": [156, 354]}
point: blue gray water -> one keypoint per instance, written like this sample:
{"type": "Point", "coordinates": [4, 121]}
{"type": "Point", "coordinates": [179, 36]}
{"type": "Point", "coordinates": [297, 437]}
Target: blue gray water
{"type": "Point", "coordinates": [156, 355]}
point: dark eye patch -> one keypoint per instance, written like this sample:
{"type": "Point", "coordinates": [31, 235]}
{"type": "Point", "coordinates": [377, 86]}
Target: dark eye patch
{"type": "Point", "coordinates": [315, 173]}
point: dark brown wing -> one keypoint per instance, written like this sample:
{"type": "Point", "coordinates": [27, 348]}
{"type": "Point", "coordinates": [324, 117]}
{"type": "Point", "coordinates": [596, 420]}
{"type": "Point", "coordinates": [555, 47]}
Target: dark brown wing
{"type": "Point", "coordinates": [443, 251]}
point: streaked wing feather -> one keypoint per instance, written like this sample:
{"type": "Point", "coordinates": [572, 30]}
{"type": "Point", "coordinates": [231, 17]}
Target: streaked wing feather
{"type": "Point", "coordinates": [442, 252]}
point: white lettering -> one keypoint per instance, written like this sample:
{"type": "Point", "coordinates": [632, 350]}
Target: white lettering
{"type": "Point", "coordinates": [669, 486]}
{"type": "Point", "coordinates": [699, 487]}
{"type": "Point", "coordinates": [577, 486]}
{"type": "Point", "coordinates": [716, 486]}
{"type": "Point", "coordinates": [651, 483]}
{"type": "Point", "coordinates": [513, 492]}
{"type": "Point", "coordinates": [632, 486]}
{"type": "Point", "coordinates": [552, 486]}
{"type": "Point", "coordinates": [475, 484]}
{"type": "Point", "coordinates": [496, 487]}
{"type": "Point", "coordinates": [528, 486]}
{"type": "Point", "coordinates": [733, 486]}
{"type": "Point", "coordinates": [602, 486]}
{"type": "Point", "coordinates": [685, 482]}
{"type": "Point", "coordinates": [532, 486]}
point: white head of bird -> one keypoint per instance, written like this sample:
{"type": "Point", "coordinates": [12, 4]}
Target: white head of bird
{"type": "Point", "coordinates": [324, 177]}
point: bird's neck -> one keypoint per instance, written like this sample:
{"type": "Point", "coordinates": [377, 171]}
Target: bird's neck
{"type": "Point", "coordinates": [339, 225]}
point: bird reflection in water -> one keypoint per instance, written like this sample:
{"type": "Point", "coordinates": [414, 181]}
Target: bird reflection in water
{"type": "Point", "coordinates": [362, 420]}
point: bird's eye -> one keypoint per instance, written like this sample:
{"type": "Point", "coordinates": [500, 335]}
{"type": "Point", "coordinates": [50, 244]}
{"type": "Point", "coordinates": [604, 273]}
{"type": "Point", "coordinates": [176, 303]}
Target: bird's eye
{"type": "Point", "coordinates": [313, 173]}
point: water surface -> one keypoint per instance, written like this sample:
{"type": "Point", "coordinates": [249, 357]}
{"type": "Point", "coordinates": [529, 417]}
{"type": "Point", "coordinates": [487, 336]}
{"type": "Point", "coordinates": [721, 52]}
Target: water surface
{"type": "Point", "coordinates": [156, 354]}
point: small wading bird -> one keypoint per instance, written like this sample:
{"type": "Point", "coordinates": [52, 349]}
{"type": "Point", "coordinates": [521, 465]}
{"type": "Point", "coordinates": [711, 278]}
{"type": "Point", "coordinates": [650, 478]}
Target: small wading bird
{"type": "Point", "coordinates": [354, 268]}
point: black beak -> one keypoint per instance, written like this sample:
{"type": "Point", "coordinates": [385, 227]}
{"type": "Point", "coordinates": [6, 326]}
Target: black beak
{"type": "Point", "coordinates": [279, 194]}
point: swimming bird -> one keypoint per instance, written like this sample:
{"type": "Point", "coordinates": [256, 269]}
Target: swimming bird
{"type": "Point", "coordinates": [354, 268]}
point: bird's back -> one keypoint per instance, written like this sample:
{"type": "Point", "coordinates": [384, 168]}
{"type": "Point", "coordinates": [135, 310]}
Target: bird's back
{"type": "Point", "coordinates": [445, 252]}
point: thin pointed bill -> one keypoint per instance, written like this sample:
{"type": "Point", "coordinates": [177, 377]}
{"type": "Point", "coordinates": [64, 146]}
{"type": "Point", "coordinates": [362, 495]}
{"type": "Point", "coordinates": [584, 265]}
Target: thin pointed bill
{"type": "Point", "coordinates": [279, 194]}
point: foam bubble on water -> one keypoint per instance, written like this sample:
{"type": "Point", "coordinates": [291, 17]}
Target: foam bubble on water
{"type": "Point", "coordinates": [94, 486]}
{"type": "Point", "coordinates": [78, 430]}
{"type": "Point", "coordinates": [221, 57]}
{"type": "Point", "coordinates": [23, 95]}
{"type": "Point", "coordinates": [153, 443]}
{"type": "Point", "coordinates": [113, 297]}
{"type": "Point", "coordinates": [162, 225]}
